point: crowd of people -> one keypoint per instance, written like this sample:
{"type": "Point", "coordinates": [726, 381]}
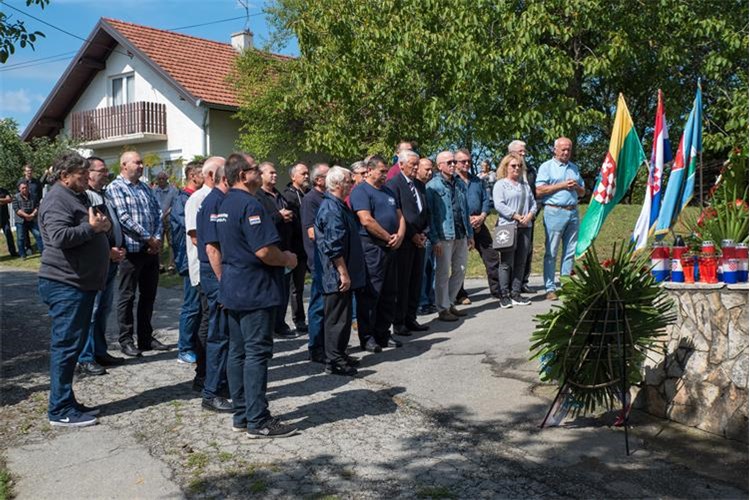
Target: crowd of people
{"type": "Point", "coordinates": [384, 242]}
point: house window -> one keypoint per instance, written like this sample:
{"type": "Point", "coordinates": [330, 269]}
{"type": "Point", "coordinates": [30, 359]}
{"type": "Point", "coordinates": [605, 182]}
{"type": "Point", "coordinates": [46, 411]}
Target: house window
{"type": "Point", "coordinates": [123, 90]}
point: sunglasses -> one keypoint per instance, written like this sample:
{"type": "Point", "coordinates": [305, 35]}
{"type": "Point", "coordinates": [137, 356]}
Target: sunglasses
{"type": "Point", "coordinates": [451, 163]}
{"type": "Point", "coordinates": [514, 166]}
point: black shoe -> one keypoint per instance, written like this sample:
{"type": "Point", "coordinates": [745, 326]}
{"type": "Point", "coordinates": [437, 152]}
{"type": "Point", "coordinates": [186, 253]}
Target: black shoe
{"type": "Point", "coordinates": [429, 309]}
{"type": "Point", "coordinates": [351, 361]}
{"type": "Point", "coordinates": [505, 302]}
{"type": "Point", "coordinates": [272, 428]}
{"type": "Point", "coordinates": [91, 368]}
{"type": "Point", "coordinates": [416, 327]}
{"type": "Point", "coordinates": [87, 409]}
{"type": "Point", "coordinates": [158, 346]}
{"type": "Point", "coordinates": [393, 343]}
{"type": "Point", "coordinates": [457, 312]}
{"type": "Point", "coordinates": [130, 350]}
{"type": "Point", "coordinates": [371, 346]}
{"type": "Point", "coordinates": [300, 327]}
{"type": "Point", "coordinates": [285, 334]}
{"type": "Point", "coordinates": [341, 369]}
{"type": "Point", "coordinates": [198, 384]}
{"type": "Point", "coordinates": [402, 330]}
{"type": "Point", "coordinates": [109, 360]}
{"type": "Point", "coordinates": [518, 300]}
{"type": "Point", "coordinates": [220, 405]}
{"type": "Point", "coordinates": [526, 289]}
{"type": "Point", "coordinates": [317, 356]}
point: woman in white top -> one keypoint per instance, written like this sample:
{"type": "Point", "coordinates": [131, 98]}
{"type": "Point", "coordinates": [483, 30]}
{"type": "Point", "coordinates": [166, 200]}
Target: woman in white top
{"type": "Point", "coordinates": [514, 203]}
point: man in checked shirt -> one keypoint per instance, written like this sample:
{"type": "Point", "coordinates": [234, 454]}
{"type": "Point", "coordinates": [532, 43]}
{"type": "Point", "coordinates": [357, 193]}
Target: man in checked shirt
{"type": "Point", "coordinates": [140, 218]}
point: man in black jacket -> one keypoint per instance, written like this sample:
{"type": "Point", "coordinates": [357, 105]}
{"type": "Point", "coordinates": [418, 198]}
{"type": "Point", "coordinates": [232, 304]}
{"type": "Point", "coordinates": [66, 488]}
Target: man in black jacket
{"type": "Point", "coordinates": [293, 194]}
{"type": "Point", "coordinates": [410, 256]}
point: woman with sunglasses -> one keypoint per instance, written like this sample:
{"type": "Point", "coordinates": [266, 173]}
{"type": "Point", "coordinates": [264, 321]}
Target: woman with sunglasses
{"type": "Point", "coordinates": [514, 203]}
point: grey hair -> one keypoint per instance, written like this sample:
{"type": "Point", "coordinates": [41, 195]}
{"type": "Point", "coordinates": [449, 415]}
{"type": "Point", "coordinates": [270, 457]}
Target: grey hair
{"type": "Point", "coordinates": [403, 155]}
{"type": "Point", "coordinates": [517, 144]}
{"type": "Point", "coordinates": [318, 171]}
{"type": "Point", "coordinates": [293, 168]}
{"type": "Point", "coordinates": [358, 167]}
{"type": "Point", "coordinates": [212, 166]}
{"type": "Point", "coordinates": [557, 141]}
{"type": "Point", "coordinates": [68, 163]}
{"type": "Point", "coordinates": [336, 176]}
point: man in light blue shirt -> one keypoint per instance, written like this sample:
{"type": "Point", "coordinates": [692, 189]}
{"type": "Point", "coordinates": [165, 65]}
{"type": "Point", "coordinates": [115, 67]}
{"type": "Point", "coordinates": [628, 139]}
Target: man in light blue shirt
{"type": "Point", "coordinates": [558, 186]}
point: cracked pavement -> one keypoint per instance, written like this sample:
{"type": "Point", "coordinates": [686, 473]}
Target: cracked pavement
{"type": "Point", "coordinates": [454, 413]}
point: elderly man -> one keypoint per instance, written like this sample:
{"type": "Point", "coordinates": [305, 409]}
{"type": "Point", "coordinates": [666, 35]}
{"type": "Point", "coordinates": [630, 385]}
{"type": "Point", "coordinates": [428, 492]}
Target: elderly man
{"type": "Point", "coordinates": [382, 232]}
{"type": "Point", "coordinates": [212, 173]}
{"type": "Point", "coordinates": [282, 218]}
{"type": "Point", "coordinates": [293, 194]}
{"type": "Point", "coordinates": [25, 211]}
{"type": "Point", "coordinates": [94, 356]}
{"type": "Point", "coordinates": [451, 234]}
{"type": "Point", "coordinates": [308, 211]}
{"type": "Point", "coordinates": [251, 292]}
{"type": "Point", "coordinates": [559, 185]}
{"type": "Point", "coordinates": [73, 269]}
{"type": "Point", "coordinates": [140, 217]}
{"type": "Point", "coordinates": [191, 318]}
{"type": "Point", "coordinates": [519, 147]}
{"type": "Point", "coordinates": [478, 198]}
{"type": "Point", "coordinates": [427, 291]}
{"type": "Point", "coordinates": [410, 194]}
{"type": "Point", "coordinates": [343, 266]}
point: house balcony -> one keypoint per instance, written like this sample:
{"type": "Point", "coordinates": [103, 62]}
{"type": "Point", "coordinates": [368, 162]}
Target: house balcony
{"type": "Point", "coordinates": [135, 122]}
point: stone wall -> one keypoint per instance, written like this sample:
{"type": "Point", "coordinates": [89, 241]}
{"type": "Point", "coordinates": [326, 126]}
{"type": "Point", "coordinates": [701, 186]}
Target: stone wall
{"type": "Point", "coordinates": [702, 380]}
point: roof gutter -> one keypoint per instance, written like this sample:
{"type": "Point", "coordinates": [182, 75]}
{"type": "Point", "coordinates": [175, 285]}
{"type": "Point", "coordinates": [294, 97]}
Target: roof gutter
{"type": "Point", "coordinates": [206, 124]}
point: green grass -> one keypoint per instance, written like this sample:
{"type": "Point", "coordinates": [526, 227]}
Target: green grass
{"type": "Point", "coordinates": [618, 227]}
{"type": "Point", "coordinates": [6, 491]}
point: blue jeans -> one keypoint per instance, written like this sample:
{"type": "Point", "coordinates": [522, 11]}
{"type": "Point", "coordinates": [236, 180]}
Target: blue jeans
{"type": "Point", "coordinates": [190, 316]}
{"type": "Point", "coordinates": [217, 341]}
{"type": "Point", "coordinates": [560, 227]}
{"type": "Point", "coordinates": [250, 350]}
{"type": "Point", "coordinates": [316, 334]}
{"type": "Point", "coordinates": [70, 309]}
{"type": "Point", "coordinates": [427, 295]}
{"type": "Point", "coordinates": [96, 344]}
{"type": "Point", "coordinates": [32, 228]}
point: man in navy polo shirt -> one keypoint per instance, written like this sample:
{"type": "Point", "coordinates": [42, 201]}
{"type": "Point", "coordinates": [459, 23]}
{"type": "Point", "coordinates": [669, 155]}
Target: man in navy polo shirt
{"type": "Point", "coordinates": [209, 255]}
{"type": "Point", "coordinates": [251, 290]}
{"type": "Point", "coordinates": [382, 232]}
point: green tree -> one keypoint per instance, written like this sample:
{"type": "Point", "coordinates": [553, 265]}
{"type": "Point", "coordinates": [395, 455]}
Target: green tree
{"type": "Point", "coordinates": [13, 32]}
{"type": "Point", "coordinates": [479, 73]}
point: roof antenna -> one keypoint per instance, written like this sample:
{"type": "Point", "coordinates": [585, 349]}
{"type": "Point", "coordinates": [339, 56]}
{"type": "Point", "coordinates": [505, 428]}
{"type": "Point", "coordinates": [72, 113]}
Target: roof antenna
{"type": "Point", "coordinates": [245, 5]}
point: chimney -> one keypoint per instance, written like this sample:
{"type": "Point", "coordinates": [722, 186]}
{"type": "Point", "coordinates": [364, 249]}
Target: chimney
{"type": "Point", "coordinates": [242, 40]}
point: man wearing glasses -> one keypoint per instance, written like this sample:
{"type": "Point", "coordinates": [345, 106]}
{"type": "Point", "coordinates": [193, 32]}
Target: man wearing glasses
{"type": "Point", "coordinates": [451, 234]}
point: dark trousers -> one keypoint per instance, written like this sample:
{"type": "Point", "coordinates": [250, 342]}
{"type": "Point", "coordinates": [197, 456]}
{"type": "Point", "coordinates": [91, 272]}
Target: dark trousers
{"type": "Point", "coordinates": [316, 327]}
{"type": "Point", "coordinates": [338, 321]}
{"type": "Point", "coordinates": [217, 339]}
{"type": "Point", "coordinates": [297, 291]}
{"type": "Point", "coordinates": [410, 264]}
{"type": "Point", "coordinates": [9, 239]}
{"type": "Point", "coordinates": [190, 316]}
{"type": "Point", "coordinates": [513, 263]}
{"type": "Point", "coordinates": [201, 337]}
{"type": "Point", "coordinates": [376, 303]}
{"type": "Point", "coordinates": [70, 310]}
{"type": "Point", "coordinates": [24, 232]}
{"type": "Point", "coordinates": [96, 345]}
{"type": "Point", "coordinates": [527, 273]}
{"type": "Point", "coordinates": [250, 350]}
{"type": "Point", "coordinates": [280, 320]}
{"type": "Point", "coordinates": [427, 295]}
{"type": "Point", "coordinates": [138, 271]}
{"type": "Point", "coordinates": [483, 245]}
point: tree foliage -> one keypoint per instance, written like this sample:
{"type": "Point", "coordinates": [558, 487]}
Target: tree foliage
{"type": "Point", "coordinates": [13, 32]}
{"type": "Point", "coordinates": [15, 153]}
{"type": "Point", "coordinates": [479, 73]}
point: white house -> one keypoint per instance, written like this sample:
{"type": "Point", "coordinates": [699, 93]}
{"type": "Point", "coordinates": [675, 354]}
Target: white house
{"type": "Point", "coordinates": [157, 91]}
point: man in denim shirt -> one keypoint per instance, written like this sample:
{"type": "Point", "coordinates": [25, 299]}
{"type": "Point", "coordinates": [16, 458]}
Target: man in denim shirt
{"type": "Point", "coordinates": [478, 199]}
{"type": "Point", "coordinates": [451, 234]}
{"type": "Point", "coordinates": [559, 185]}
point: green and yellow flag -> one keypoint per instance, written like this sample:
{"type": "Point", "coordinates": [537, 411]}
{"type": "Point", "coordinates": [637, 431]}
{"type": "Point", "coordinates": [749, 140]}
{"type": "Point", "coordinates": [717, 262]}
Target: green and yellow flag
{"type": "Point", "coordinates": [620, 166]}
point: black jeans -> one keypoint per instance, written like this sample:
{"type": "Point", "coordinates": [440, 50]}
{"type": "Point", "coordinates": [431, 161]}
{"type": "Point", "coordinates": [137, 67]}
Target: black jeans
{"type": "Point", "coordinates": [410, 264]}
{"type": "Point", "coordinates": [9, 239]}
{"type": "Point", "coordinates": [513, 263]}
{"type": "Point", "coordinates": [297, 290]}
{"type": "Point", "coordinates": [338, 325]}
{"type": "Point", "coordinates": [138, 271]}
{"type": "Point", "coordinates": [376, 302]}
{"type": "Point", "coordinates": [200, 344]}
{"type": "Point", "coordinates": [531, 254]}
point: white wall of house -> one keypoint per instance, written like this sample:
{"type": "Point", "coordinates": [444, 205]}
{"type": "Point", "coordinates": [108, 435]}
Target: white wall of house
{"type": "Point", "coordinates": [223, 131]}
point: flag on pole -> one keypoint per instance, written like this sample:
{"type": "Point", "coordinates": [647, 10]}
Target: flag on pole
{"type": "Point", "coordinates": [620, 166]}
{"type": "Point", "coordinates": [681, 183]}
{"type": "Point", "coordinates": [661, 153]}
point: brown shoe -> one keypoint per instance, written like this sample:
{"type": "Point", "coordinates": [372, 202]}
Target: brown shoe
{"type": "Point", "coordinates": [445, 315]}
{"type": "Point", "coordinates": [465, 301]}
{"type": "Point", "coordinates": [551, 296]}
{"type": "Point", "coordinates": [456, 312]}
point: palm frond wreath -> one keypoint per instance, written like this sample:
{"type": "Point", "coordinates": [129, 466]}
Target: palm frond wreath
{"type": "Point", "coordinates": [595, 343]}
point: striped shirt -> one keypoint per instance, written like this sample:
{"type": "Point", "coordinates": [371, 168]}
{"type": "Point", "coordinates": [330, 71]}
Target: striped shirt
{"type": "Point", "coordinates": [138, 211]}
{"type": "Point", "coordinates": [25, 205]}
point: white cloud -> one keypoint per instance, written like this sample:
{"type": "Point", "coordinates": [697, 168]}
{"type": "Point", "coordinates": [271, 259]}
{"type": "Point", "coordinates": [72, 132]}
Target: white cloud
{"type": "Point", "coordinates": [18, 101]}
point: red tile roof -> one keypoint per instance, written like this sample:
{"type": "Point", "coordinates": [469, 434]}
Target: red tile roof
{"type": "Point", "coordinates": [199, 65]}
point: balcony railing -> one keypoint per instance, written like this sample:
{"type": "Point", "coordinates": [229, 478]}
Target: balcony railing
{"type": "Point", "coordinates": [117, 121]}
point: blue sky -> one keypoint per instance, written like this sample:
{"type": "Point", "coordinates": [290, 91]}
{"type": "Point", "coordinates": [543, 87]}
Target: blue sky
{"type": "Point", "coordinates": [23, 89]}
